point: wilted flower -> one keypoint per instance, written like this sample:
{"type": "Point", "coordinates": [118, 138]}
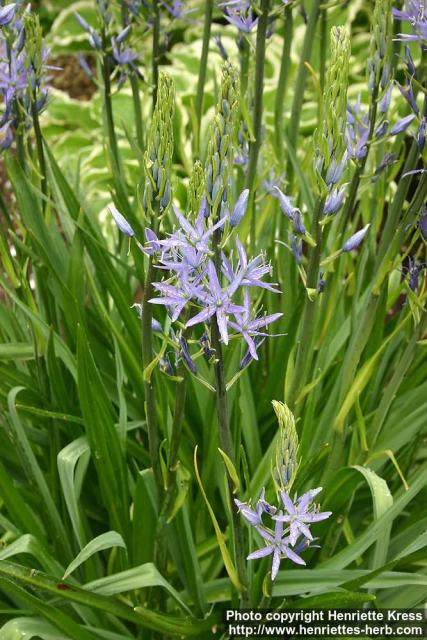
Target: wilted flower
{"type": "Point", "coordinates": [421, 135]}
{"type": "Point", "coordinates": [185, 354]}
{"type": "Point", "coordinates": [415, 268]}
{"type": "Point", "coordinates": [423, 222]}
{"type": "Point", "coordinates": [389, 159]}
{"type": "Point", "coordinates": [296, 247]}
{"type": "Point", "coordinates": [221, 48]}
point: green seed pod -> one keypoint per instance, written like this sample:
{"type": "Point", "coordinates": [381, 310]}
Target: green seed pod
{"type": "Point", "coordinates": [158, 156]}
{"type": "Point", "coordinates": [286, 460]}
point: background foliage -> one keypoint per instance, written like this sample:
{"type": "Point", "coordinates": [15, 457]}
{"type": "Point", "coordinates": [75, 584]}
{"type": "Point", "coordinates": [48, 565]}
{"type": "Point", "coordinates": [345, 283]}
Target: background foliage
{"type": "Point", "coordinates": [77, 495]}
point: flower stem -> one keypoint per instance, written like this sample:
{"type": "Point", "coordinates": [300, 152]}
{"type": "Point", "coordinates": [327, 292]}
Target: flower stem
{"type": "Point", "coordinates": [357, 175]}
{"type": "Point", "coordinates": [243, 45]}
{"type": "Point", "coordinates": [202, 71]}
{"type": "Point", "coordinates": [137, 110]}
{"type": "Point", "coordinates": [149, 390]}
{"type": "Point", "coordinates": [283, 82]}
{"type": "Point", "coordinates": [40, 152]}
{"type": "Point", "coordinates": [155, 50]}
{"type": "Point", "coordinates": [323, 46]}
{"type": "Point", "coordinates": [224, 432]}
{"type": "Point", "coordinates": [171, 485]}
{"type": "Point", "coordinates": [257, 117]}
{"type": "Point", "coordinates": [294, 122]}
{"type": "Point", "coordinates": [309, 312]}
{"type": "Point", "coordinates": [109, 118]}
{"type": "Point", "coordinates": [226, 445]}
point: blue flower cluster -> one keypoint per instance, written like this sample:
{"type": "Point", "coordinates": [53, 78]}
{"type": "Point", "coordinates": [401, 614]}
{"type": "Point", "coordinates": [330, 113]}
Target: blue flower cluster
{"type": "Point", "coordinates": [22, 76]}
{"type": "Point", "coordinates": [124, 58]}
{"type": "Point", "coordinates": [194, 282]}
{"type": "Point", "coordinates": [415, 14]}
{"type": "Point", "coordinates": [289, 532]}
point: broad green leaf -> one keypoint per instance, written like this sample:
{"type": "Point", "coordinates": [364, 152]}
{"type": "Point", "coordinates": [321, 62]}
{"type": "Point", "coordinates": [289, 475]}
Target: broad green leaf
{"type": "Point", "coordinates": [28, 628]}
{"type": "Point", "coordinates": [100, 543]}
{"type": "Point", "coordinates": [59, 619]}
{"type": "Point", "coordinates": [146, 575]}
{"type": "Point", "coordinates": [380, 525]}
{"type": "Point", "coordinates": [382, 502]}
{"type": "Point", "coordinates": [141, 616]}
{"type": "Point", "coordinates": [10, 351]}
{"type": "Point", "coordinates": [32, 546]}
{"type": "Point", "coordinates": [72, 462]}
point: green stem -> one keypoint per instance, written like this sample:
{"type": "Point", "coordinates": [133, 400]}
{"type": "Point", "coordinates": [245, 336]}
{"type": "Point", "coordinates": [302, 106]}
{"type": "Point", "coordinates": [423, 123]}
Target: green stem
{"type": "Point", "coordinates": [398, 201]}
{"type": "Point", "coordinates": [294, 122]}
{"type": "Point", "coordinates": [137, 110]}
{"type": "Point", "coordinates": [109, 118]}
{"type": "Point", "coordinates": [40, 152]}
{"type": "Point", "coordinates": [224, 432]}
{"type": "Point", "coordinates": [226, 444]}
{"type": "Point", "coordinates": [244, 66]}
{"type": "Point", "coordinates": [357, 175]}
{"type": "Point", "coordinates": [323, 46]}
{"type": "Point", "coordinates": [155, 50]}
{"type": "Point", "coordinates": [364, 323]}
{"type": "Point", "coordinates": [149, 390]}
{"type": "Point", "coordinates": [202, 71]}
{"type": "Point", "coordinates": [389, 393]}
{"type": "Point", "coordinates": [309, 312]}
{"type": "Point", "coordinates": [258, 108]}
{"type": "Point", "coordinates": [282, 85]}
{"type": "Point", "coordinates": [20, 148]}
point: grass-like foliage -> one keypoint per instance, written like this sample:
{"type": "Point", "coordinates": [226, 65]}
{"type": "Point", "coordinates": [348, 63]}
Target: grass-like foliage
{"type": "Point", "coordinates": [213, 363]}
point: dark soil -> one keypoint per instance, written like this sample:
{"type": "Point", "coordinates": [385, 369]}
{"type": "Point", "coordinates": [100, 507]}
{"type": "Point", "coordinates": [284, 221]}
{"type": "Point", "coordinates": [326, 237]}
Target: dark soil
{"type": "Point", "coordinates": [71, 78]}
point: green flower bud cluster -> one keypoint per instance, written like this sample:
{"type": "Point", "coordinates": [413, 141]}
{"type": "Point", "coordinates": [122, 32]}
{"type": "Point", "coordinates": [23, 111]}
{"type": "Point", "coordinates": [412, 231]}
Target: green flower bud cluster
{"type": "Point", "coordinates": [158, 156]}
{"type": "Point", "coordinates": [286, 462]}
{"type": "Point", "coordinates": [221, 142]}
{"type": "Point", "coordinates": [196, 188]}
{"type": "Point", "coordinates": [35, 54]}
{"type": "Point", "coordinates": [330, 141]}
{"type": "Point", "coordinates": [381, 39]}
